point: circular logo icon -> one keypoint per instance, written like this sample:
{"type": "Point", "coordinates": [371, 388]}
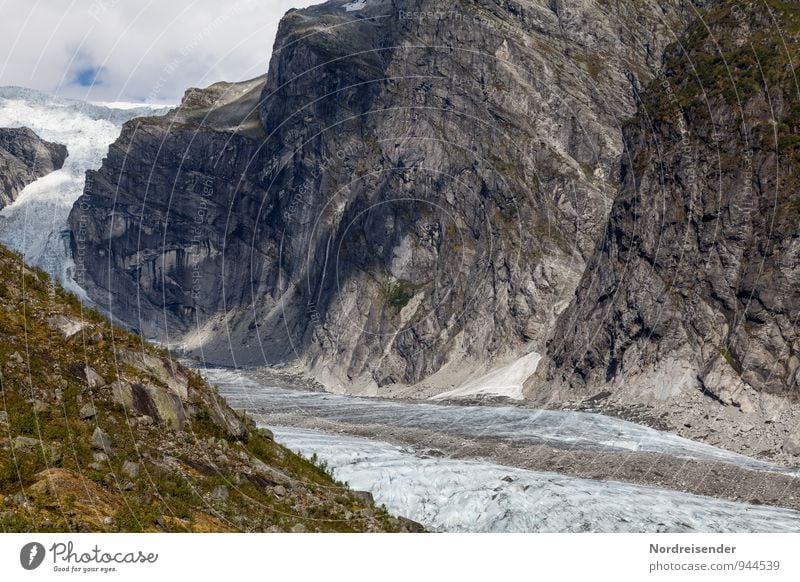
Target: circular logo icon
{"type": "Point", "coordinates": [31, 555]}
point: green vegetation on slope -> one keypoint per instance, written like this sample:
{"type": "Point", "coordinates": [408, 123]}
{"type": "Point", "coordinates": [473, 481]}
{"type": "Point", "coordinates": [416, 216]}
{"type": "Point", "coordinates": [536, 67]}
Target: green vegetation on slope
{"type": "Point", "coordinates": [100, 432]}
{"type": "Point", "coordinates": [733, 78]}
{"type": "Point", "coordinates": [737, 51]}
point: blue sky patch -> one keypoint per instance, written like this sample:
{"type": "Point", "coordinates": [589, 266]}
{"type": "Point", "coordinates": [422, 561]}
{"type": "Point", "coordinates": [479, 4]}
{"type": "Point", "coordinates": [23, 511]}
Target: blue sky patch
{"type": "Point", "coordinates": [88, 76]}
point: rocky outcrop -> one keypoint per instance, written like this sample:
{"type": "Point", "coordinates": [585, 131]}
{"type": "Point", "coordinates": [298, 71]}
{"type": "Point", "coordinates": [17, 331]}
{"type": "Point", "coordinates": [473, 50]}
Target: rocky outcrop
{"type": "Point", "coordinates": [24, 158]}
{"type": "Point", "coordinates": [410, 194]}
{"type": "Point", "coordinates": [693, 294]}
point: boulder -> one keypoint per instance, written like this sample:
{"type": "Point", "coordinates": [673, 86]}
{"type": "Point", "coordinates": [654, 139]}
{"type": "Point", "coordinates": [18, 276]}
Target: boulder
{"type": "Point", "coordinates": [364, 497]}
{"type": "Point", "coordinates": [147, 400]}
{"type": "Point", "coordinates": [66, 326]}
{"type": "Point", "coordinates": [721, 380]}
{"type": "Point", "coordinates": [31, 446]}
{"type": "Point", "coordinates": [26, 444]}
{"type": "Point", "coordinates": [792, 444]}
{"type": "Point", "coordinates": [220, 493]}
{"type": "Point", "coordinates": [773, 407]}
{"type": "Point", "coordinates": [101, 441]}
{"type": "Point", "coordinates": [167, 404]}
{"type": "Point", "coordinates": [224, 416]}
{"type": "Point", "coordinates": [163, 369]}
{"type": "Point", "coordinates": [93, 379]}
{"type": "Point", "coordinates": [87, 412]}
{"type": "Point", "coordinates": [122, 393]}
{"type": "Point", "coordinates": [130, 469]}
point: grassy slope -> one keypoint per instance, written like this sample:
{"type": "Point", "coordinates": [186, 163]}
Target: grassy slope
{"type": "Point", "coordinates": [57, 482]}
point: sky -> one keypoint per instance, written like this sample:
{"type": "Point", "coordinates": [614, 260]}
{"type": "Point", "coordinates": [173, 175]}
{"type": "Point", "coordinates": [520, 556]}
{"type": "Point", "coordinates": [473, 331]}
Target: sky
{"type": "Point", "coordinates": [135, 50]}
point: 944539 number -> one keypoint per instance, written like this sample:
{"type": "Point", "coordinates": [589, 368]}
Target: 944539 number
{"type": "Point", "coordinates": [759, 565]}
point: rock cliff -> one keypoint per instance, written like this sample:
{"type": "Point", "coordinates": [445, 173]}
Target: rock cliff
{"type": "Point", "coordinates": [24, 158]}
{"type": "Point", "coordinates": [409, 196]}
{"type": "Point", "coordinates": [690, 304]}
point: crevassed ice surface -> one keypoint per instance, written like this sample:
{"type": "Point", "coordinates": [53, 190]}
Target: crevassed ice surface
{"type": "Point", "coordinates": [34, 223]}
{"type": "Point", "coordinates": [465, 496]}
{"type": "Point", "coordinates": [521, 425]}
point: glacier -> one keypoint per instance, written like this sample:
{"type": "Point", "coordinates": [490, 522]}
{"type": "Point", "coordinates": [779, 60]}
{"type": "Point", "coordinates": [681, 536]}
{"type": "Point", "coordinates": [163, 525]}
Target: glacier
{"type": "Point", "coordinates": [560, 428]}
{"type": "Point", "coordinates": [466, 495]}
{"type": "Point", "coordinates": [453, 495]}
{"type": "Point", "coordinates": [35, 225]}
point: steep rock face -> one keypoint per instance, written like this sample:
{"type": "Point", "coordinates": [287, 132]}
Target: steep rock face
{"type": "Point", "coordinates": [696, 286]}
{"type": "Point", "coordinates": [24, 158]}
{"type": "Point", "coordinates": [410, 194]}
{"type": "Point", "coordinates": [150, 229]}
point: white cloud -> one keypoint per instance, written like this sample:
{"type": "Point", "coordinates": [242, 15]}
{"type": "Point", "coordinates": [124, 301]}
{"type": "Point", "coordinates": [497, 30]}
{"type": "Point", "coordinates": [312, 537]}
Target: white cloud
{"type": "Point", "coordinates": [139, 50]}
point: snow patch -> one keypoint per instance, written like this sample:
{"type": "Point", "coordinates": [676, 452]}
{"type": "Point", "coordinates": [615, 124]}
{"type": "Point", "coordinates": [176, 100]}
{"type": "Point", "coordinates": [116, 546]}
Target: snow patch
{"type": "Point", "coordinates": [127, 105]}
{"type": "Point", "coordinates": [506, 381]}
{"type": "Point", "coordinates": [355, 5]}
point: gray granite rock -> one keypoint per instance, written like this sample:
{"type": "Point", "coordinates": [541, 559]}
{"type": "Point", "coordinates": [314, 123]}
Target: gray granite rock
{"type": "Point", "coordinates": [24, 158]}
{"type": "Point", "coordinates": [130, 469]}
{"type": "Point", "coordinates": [386, 211]}
{"type": "Point", "coordinates": [87, 412]}
{"type": "Point", "coordinates": [101, 441]}
{"type": "Point", "coordinates": [696, 283]}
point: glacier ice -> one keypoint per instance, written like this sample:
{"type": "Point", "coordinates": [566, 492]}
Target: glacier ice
{"type": "Point", "coordinates": [35, 224]}
{"type": "Point", "coordinates": [469, 496]}
{"type": "Point", "coordinates": [518, 424]}
{"type": "Point", "coordinates": [479, 496]}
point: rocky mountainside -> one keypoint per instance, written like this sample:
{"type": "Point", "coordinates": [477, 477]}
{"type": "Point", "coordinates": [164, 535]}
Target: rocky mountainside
{"type": "Point", "coordinates": [691, 301]}
{"type": "Point", "coordinates": [100, 432]}
{"type": "Point", "coordinates": [408, 197]}
{"type": "Point", "coordinates": [24, 158]}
